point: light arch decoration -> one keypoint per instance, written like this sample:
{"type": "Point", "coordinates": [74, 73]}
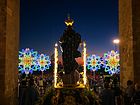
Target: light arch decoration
{"type": "Point", "coordinates": [111, 62]}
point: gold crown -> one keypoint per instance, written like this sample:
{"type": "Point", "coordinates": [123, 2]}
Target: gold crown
{"type": "Point", "coordinates": [69, 22]}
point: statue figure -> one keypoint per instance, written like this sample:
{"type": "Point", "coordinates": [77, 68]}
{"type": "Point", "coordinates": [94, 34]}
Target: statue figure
{"type": "Point", "coordinates": [70, 41]}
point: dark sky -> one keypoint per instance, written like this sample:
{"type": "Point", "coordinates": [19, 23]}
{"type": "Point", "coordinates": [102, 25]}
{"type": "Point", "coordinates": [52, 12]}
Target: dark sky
{"type": "Point", "coordinates": [42, 23]}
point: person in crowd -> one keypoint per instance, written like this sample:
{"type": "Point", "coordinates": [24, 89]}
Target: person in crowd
{"type": "Point", "coordinates": [116, 89]}
{"type": "Point", "coordinates": [136, 98]}
{"type": "Point", "coordinates": [107, 96]}
{"type": "Point", "coordinates": [41, 86]}
{"type": "Point", "coordinates": [129, 92]}
{"type": "Point", "coordinates": [100, 85]}
{"type": "Point", "coordinates": [22, 88]}
{"type": "Point", "coordinates": [55, 98]}
{"type": "Point", "coordinates": [31, 95]}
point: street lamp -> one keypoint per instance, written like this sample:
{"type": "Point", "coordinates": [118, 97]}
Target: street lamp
{"type": "Point", "coordinates": [116, 42]}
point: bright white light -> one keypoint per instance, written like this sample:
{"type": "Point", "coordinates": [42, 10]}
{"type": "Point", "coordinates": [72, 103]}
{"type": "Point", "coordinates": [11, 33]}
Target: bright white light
{"type": "Point", "coordinates": [84, 58]}
{"type": "Point", "coordinates": [84, 44]}
{"type": "Point", "coordinates": [56, 44]}
{"type": "Point", "coordinates": [55, 64]}
{"type": "Point", "coordinates": [116, 41]}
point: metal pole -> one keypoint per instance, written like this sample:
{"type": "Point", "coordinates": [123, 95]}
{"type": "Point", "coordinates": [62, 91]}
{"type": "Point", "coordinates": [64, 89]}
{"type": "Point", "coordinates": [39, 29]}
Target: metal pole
{"type": "Point", "coordinates": [115, 47]}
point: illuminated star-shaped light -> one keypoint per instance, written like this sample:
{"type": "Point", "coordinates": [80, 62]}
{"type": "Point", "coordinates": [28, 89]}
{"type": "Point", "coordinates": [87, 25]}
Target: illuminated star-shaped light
{"type": "Point", "coordinates": [27, 60]}
{"type": "Point", "coordinates": [93, 62]}
{"type": "Point", "coordinates": [44, 62]}
{"type": "Point", "coordinates": [111, 62]}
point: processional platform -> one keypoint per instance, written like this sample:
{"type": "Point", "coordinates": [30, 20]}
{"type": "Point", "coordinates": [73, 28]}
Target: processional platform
{"type": "Point", "coordinates": [70, 41]}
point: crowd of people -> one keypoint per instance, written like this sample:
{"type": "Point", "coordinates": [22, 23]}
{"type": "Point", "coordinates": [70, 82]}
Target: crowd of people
{"type": "Point", "coordinates": [111, 94]}
{"type": "Point", "coordinates": [106, 91]}
{"type": "Point", "coordinates": [31, 88]}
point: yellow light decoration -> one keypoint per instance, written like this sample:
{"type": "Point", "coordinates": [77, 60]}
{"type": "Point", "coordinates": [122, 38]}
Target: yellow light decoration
{"type": "Point", "coordinates": [27, 60]}
{"type": "Point", "coordinates": [113, 62]}
{"type": "Point", "coordinates": [93, 62]}
{"type": "Point", "coordinates": [41, 62]}
{"type": "Point", "coordinates": [84, 58]}
{"type": "Point", "coordinates": [55, 64]}
{"type": "Point", "coordinates": [69, 22]}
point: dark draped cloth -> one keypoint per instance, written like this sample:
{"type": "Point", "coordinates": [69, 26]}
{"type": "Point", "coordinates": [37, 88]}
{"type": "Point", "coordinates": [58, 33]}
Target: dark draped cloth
{"type": "Point", "coordinates": [70, 43]}
{"type": "Point", "coordinates": [30, 96]}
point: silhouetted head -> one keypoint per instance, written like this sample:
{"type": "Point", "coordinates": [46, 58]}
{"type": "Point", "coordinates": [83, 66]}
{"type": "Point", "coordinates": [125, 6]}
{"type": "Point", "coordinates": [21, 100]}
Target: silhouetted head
{"type": "Point", "coordinates": [137, 86]}
{"type": "Point", "coordinates": [106, 85]}
{"type": "Point", "coordinates": [129, 82]}
{"type": "Point", "coordinates": [31, 82]}
{"type": "Point", "coordinates": [23, 83]}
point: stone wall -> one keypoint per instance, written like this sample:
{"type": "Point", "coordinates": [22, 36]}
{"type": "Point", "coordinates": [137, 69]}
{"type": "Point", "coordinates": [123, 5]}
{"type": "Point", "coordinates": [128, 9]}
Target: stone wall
{"type": "Point", "coordinates": [129, 29]}
{"type": "Point", "coordinates": [136, 38]}
{"type": "Point", "coordinates": [2, 48]}
{"type": "Point", "coordinates": [9, 40]}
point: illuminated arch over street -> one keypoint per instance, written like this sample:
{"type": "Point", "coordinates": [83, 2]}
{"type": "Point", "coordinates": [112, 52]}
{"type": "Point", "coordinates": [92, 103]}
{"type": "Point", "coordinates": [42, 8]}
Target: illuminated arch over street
{"type": "Point", "coordinates": [93, 62]}
{"type": "Point", "coordinates": [111, 62]}
{"type": "Point", "coordinates": [27, 61]}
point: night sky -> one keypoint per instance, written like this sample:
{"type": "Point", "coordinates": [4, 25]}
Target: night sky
{"type": "Point", "coordinates": [42, 23]}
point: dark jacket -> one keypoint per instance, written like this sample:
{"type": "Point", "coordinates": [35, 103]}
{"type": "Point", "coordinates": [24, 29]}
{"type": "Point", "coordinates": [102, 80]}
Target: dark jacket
{"type": "Point", "coordinates": [30, 96]}
{"type": "Point", "coordinates": [107, 97]}
{"type": "Point", "coordinates": [136, 97]}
